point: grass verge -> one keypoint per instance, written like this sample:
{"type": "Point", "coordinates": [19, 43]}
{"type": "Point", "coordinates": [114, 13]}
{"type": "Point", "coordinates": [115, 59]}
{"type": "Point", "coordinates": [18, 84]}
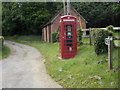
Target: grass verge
{"type": "Point", "coordinates": [86, 70]}
{"type": "Point", "coordinates": [85, 39]}
{"type": "Point", "coordinates": [117, 34]}
{"type": "Point", "coordinates": [5, 52]}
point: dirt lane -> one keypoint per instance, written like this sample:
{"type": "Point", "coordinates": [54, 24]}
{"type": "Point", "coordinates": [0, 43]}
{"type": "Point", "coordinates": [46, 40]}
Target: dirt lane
{"type": "Point", "coordinates": [25, 68]}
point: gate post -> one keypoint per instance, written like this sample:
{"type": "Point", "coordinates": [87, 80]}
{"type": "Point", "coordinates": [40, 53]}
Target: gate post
{"type": "Point", "coordinates": [90, 36]}
{"type": "Point", "coordinates": [110, 66]}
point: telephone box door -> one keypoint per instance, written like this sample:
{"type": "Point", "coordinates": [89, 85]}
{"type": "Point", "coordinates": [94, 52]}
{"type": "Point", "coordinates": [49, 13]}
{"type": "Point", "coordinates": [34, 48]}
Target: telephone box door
{"type": "Point", "coordinates": [68, 37]}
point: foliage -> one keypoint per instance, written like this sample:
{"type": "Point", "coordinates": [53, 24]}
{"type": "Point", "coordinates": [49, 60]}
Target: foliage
{"type": "Point", "coordinates": [99, 43]}
{"type": "Point", "coordinates": [54, 36]}
{"type": "Point", "coordinates": [79, 35]}
{"type": "Point", "coordinates": [110, 28]}
{"type": "Point", "coordinates": [99, 14]}
{"type": "Point", "coordinates": [25, 18]}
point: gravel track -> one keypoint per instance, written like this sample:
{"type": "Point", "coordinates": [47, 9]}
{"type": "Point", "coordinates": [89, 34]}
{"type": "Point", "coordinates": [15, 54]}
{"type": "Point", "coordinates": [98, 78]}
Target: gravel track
{"type": "Point", "coordinates": [24, 68]}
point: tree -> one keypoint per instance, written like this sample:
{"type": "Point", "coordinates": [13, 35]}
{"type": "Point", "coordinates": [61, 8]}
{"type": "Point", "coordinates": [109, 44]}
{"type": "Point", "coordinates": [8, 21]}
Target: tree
{"type": "Point", "coordinates": [99, 14]}
{"type": "Point", "coordinates": [25, 18]}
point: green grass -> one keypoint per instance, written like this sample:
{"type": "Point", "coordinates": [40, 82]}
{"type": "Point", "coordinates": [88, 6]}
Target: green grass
{"type": "Point", "coordinates": [5, 52]}
{"type": "Point", "coordinates": [76, 72]}
{"type": "Point", "coordinates": [30, 38]}
{"type": "Point", "coordinates": [117, 43]}
{"type": "Point", "coordinates": [116, 34]}
{"type": "Point", "coordinates": [86, 40]}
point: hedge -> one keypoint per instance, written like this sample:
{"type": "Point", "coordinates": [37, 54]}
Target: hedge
{"type": "Point", "coordinates": [110, 28]}
{"type": "Point", "coordinates": [99, 43]}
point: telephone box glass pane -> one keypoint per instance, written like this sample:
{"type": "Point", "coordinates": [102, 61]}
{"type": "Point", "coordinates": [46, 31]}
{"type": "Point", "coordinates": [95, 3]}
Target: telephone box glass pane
{"type": "Point", "coordinates": [68, 33]}
{"type": "Point", "coordinates": [68, 40]}
{"type": "Point", "coordinates": [69, 37]}
{"type": "Point", "coordinates": [68, 44]}
{"type": "Point", "coordinates": [68, 26]}
{"type": "Point", "coordinates": [68, 29]}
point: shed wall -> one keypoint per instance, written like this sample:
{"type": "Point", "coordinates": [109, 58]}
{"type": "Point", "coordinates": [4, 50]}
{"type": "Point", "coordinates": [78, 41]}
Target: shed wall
{"type": "Point", "coordinates": [53, 27]}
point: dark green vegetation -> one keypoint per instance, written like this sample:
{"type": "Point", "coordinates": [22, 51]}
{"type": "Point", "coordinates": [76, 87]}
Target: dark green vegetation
{"type": "Point", "coordinates": [100, 46]}
{"type": "Point", "coordinates": [117, 34]}
{"type": "Point", "coordinates": [86, 70]}
{"type": "Point", "coordinates": [110, 28]}
{"type": "Point", "coordinates": [28, 18]}
{"type": "Point", "coordinates": [79, 35]}
{"type": "Point", "coordinates": [99, 14]}
{"type": "Point", "coordinates": [54, 36]}
{"type": "Point", "coordinates": [5, 52]}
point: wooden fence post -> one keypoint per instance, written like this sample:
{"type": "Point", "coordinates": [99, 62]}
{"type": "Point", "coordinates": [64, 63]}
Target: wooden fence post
{"type": "Point", "coordinates": [1, 42]}
{"type": "Point", "coordinates": [110, 66]}
{"type": "Point", "coordinates": [90, 36]}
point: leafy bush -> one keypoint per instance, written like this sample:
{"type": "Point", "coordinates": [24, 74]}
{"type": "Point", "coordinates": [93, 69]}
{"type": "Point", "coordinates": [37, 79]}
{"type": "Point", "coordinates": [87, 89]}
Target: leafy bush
{"type": "Point", "coordinates": [110, 28]}
{"type": "Point", "coordinates": [54, 37]}
{"type": "Point", "coordinates": [99, 36]}
{"type": "Point", "coordinates": [79, 35]}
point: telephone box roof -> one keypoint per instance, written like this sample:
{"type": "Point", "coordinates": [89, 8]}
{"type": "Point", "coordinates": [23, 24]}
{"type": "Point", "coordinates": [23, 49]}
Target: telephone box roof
{"type": "Point", "coordinates": [67, 15]}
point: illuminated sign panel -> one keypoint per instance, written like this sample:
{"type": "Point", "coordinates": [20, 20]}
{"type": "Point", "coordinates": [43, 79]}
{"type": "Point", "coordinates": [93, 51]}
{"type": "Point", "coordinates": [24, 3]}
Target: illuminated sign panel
{"type": "Point", "coordinates": [68, 20]}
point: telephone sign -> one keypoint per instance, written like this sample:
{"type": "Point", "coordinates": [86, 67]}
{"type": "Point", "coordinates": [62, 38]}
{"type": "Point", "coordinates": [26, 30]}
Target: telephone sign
{"type": "Point", "coordinates": [68, 19]}
{"type": "Point", "coordinates": [107, 41]}
{"type": "Point", "coordinates": [67, 36]}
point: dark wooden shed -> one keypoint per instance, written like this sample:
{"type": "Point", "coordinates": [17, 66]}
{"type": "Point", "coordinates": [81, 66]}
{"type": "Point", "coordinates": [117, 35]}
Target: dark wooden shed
{"type": "Point", "coordinates": [53, 24]}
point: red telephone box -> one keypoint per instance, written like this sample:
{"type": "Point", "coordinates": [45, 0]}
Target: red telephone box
{"type": "Point", "coordinates": [67, 36]}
